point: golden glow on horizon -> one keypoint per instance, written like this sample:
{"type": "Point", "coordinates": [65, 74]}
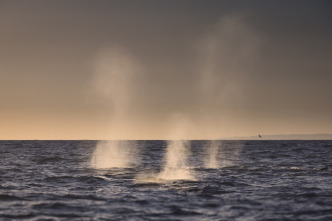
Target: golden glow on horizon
{"type": "Point", "coordinates": [96, 127]}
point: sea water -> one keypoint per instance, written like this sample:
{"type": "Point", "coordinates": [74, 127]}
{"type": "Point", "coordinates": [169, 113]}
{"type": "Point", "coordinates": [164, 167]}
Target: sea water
{"type": "Point", "coordinates": [245, 180]}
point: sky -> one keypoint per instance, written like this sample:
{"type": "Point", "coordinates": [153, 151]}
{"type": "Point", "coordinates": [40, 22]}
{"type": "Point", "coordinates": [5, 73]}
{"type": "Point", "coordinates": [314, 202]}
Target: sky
{"type": "Point", "coordinates": [190, 69]}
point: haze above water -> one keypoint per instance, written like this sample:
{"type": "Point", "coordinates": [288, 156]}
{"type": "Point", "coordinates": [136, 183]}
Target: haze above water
{"type": "Point", "coordinates": [134, 70]}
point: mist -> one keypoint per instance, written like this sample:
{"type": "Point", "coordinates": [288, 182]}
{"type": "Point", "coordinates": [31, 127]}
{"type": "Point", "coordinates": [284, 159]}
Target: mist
{"type": "Point", "coordinates": [219, 72]}
{"type": "Point", "coordinates": [228, 56]}
{"type": "Point", "coordinates": [113, 83]}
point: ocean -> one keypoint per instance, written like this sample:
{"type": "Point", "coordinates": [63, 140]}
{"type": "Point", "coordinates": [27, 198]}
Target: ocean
{"type": "Point", "coordinates": [219, 180]}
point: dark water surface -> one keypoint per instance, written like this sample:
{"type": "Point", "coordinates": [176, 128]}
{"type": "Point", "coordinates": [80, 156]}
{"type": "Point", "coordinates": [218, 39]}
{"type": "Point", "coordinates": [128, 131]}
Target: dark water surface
{"type": "Point", "coordinates": [258, 180]}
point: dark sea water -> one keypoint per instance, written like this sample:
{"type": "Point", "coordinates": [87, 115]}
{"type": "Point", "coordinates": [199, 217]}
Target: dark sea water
{"type": "Point", "coordinates": [257, 180]}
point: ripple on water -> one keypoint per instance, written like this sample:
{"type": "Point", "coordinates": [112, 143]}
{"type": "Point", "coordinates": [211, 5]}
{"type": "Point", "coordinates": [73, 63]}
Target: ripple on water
{"type": "Point", "coordinates": [276, 180]}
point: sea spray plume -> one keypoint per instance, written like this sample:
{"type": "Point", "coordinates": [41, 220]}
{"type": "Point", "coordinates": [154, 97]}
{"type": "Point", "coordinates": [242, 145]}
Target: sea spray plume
{"type": "Point", "coordinates": [177, 152]}
{"type": "Point", "coordinates": [175, 163]}
{"type": "Point", "coordinates": [211, 158]}
{"type": "Point", "coordinates": [113, 154]}
{"type": "Point", "coordinates": [113, 83]}
{"type": "Point", "coordinates": [227, 57]}
{"type": "Point", "coordinates": [175, 167]}
{"type": "Point", "coordinates": [221, 154]}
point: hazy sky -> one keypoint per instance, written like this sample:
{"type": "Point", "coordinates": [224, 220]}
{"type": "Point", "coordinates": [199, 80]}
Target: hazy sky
{"type": "Point", "coordinates": [157, 69]}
